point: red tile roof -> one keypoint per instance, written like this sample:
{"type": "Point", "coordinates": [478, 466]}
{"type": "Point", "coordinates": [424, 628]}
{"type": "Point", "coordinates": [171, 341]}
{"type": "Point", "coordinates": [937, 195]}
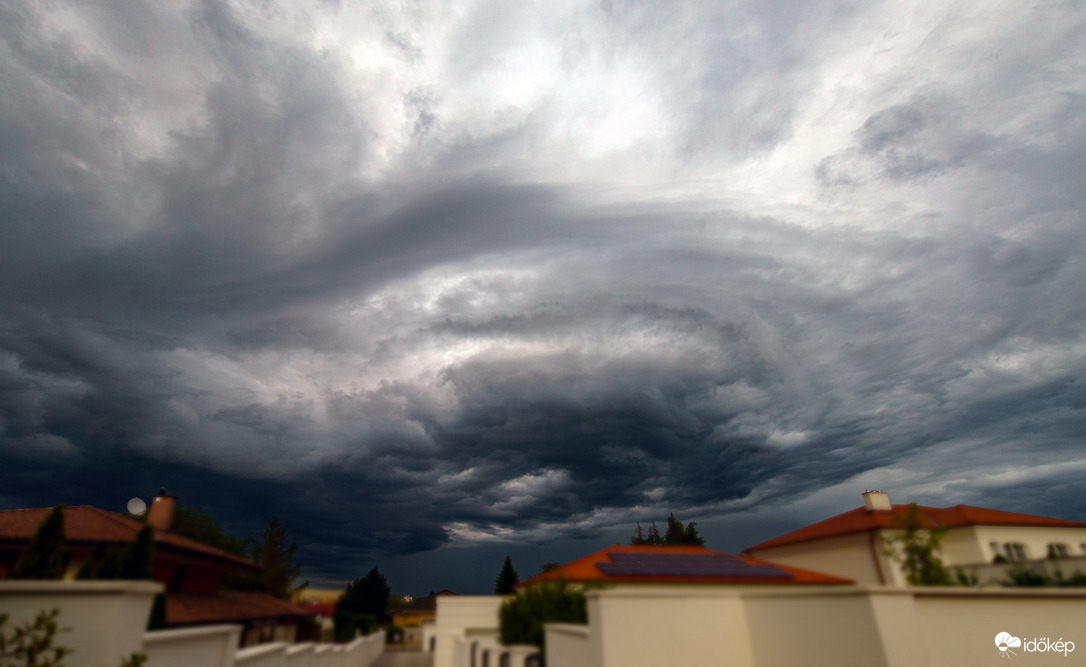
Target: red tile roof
{"type": "Point", "coordinates": [228, 606]}
{"type": "Point", "coordinates": [89, 526]}
{"type": "Point", "coordinates": [861, 520]}
{"type": "Point", "coordinates": [586, 569]}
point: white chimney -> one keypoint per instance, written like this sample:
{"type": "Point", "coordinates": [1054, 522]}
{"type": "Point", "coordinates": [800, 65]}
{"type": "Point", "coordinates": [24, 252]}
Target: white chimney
{"type": "Point", "coordinates": [877, 501]}
{"type": "Point", "coordinates": [160, 515]}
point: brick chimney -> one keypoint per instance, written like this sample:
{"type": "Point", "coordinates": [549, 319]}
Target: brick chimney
{"type": "Point", "coordinates": [160, 515]}
{"type": "Point", "coordinates": [875, 501]}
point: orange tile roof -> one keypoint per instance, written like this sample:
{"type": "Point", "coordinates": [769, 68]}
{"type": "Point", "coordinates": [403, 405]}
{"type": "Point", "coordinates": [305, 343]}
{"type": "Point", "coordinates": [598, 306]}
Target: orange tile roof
{"type": "Point", "coordinates": [586, 569]}
{"type": "Point", "coordinates": [228, 606]}
{"type": "Point", "coordinates": [862, 520]}
{"type": "Point", "coordinates": [87, 525]}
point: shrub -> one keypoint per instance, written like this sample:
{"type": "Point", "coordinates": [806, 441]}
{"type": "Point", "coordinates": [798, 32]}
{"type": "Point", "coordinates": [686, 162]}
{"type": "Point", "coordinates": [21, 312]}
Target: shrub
{"type": "Point", "coordinates": [347, 622]}
{"type": "Point", "coordinates": [31, 644]}
{"type": "Point", "coordinates": [920, 546]}
{"type": "Point", "coordinates": [523, 616]}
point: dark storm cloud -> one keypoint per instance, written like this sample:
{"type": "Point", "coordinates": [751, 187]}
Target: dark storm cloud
{"type": "Point", "coordinates": [280, 282]}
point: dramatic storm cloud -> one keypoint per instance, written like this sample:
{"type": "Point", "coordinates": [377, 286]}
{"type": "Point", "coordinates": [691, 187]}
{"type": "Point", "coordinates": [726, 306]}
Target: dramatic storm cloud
{"type": "Point", "coordinates": [436, 282]}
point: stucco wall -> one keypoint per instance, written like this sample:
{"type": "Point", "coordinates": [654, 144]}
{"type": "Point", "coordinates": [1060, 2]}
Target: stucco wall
{"type": "Point", "coordinates": [105, 619]}
{"type": "Point", "coordinates": [821, 627]}
{"type": "Point", "coordinates": [959, 627]}
{"type": "Point", "coordinates": [459, 614]}
{"type": "Point", "coordinates": [845, 556]}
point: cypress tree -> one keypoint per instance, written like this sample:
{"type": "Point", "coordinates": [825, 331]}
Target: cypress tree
{"type": "Point", "coordinates": [138, 556]}
{"type": "Point", "coordinates": [44, 556]}
{"type": "Point", "coordinates": [507, 578]}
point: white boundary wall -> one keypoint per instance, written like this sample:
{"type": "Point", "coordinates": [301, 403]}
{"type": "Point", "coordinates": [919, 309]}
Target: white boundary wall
{"type": "Point", "coordinates": [104, 622]}
{"type": "Point", "coordinates": [818, 627]}
{"type": "Point", "coordinates": [460, 620]}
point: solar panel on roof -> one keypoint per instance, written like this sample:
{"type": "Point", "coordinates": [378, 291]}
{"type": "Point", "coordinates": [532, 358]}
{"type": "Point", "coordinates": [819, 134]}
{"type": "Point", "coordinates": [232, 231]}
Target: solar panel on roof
{"type": "Point", "coordinates": [687, 565]}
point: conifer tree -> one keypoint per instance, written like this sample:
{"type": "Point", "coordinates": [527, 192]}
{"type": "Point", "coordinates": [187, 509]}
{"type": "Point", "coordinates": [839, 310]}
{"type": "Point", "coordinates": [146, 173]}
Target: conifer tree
{"type": "Point", "coordinates": [44, 556]}
{"type": "Point", "coordinates": [138, 556]}
{"type": "Point", "coordinates": [272, 552]}
{"type": "Point", "coordinates": [507, 578]}
{"type": "Point", "coordinates": [676, 533]}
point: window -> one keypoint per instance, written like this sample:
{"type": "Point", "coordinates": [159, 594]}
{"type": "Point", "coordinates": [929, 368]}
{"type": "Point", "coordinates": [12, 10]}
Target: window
{"type": "Point", "coordinates": [1014, 550]}
{"type": "Point", "coordinates": [1056, 550]}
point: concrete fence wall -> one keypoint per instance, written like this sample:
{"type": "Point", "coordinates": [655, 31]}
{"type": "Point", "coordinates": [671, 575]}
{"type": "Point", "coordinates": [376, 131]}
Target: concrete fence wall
{"type": "Point", "coordinates": [208, 645]}
{"type": "Point", "coordinates": [820, 627]}
{"type": "Point", "coordinates": [103, 623]}
{"type": "Point", "coordinates": [466, 634]}
{"type": "Point", "coordinates": [460, 620]}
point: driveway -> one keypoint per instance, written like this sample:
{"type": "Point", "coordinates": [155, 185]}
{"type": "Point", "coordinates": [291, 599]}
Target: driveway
{"type": "Point", "coordinates": [405, 659]}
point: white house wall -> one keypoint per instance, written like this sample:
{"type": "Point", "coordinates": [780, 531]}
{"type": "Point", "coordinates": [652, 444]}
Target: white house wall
{"type": "Point", "coordinates": [1035, 538]}
{"type": "Point", "coordinates": [848, 556]}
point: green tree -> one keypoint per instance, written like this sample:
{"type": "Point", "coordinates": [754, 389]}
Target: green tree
{"type": "Point", "coordinates": [523, 616]}
{"type": "Point", "coordinates": [197, 524]}
{"type": "Point", "coordinates": [363, 602]}
{"type": "Point", "coordinates": [676, 533]}
{"type": "Point", "coordinates": [679, 534]}
{"type": "Point", "coordinates": [917, 548]}
{"type": "Point", "coordinates": [547, 567]}
{"type": "Point", "coordinates": [272, 552]}
{"type": "Point", "coordinates": [507, 578]}
{"type": "Point", "coordinates": [44, 556]}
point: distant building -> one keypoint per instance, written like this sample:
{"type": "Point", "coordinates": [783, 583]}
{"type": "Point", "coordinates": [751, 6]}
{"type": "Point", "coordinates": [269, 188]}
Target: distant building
{"type": "Point", "coordinates": [851, 544]}
{"type": "Point", "coordinates": [192, 572]}
{"type": "Point", "coordinates": [417, 610]}
{"type": "Point", "coordinates": [416, 618]}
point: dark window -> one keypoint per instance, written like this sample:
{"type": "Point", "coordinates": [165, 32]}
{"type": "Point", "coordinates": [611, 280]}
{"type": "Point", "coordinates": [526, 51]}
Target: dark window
{"type": "Point", "coordinates": [1057, 550]}
{"type": "Point", "coordinates": [1014, 550]}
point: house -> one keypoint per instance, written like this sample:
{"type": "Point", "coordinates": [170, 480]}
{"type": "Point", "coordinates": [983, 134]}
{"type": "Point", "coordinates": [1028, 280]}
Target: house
{"type": "Point", "coordinates": [414, 612]}
{"type": "Point", "coordinates": [852, 544]}
{"type": "Point", "coordinates": [190, 571]}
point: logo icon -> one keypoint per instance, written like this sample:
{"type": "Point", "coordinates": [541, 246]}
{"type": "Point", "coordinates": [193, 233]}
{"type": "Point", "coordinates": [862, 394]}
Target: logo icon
{"type": "Point", "coordinates": [1005, 642]}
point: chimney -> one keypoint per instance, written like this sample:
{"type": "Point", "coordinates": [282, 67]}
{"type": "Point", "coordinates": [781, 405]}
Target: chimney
{"type": "Point", "coordinates": [874, 501]}
{"type": "Point", "coordinates": [160, 515]}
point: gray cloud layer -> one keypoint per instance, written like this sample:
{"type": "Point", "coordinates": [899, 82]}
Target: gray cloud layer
{"type": "Point", "coordinates": [416, 279]}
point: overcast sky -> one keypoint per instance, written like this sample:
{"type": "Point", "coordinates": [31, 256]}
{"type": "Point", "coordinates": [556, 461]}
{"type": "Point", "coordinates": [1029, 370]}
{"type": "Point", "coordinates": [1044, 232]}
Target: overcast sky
{"type": "Point", "coordinates": [439, 281]}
